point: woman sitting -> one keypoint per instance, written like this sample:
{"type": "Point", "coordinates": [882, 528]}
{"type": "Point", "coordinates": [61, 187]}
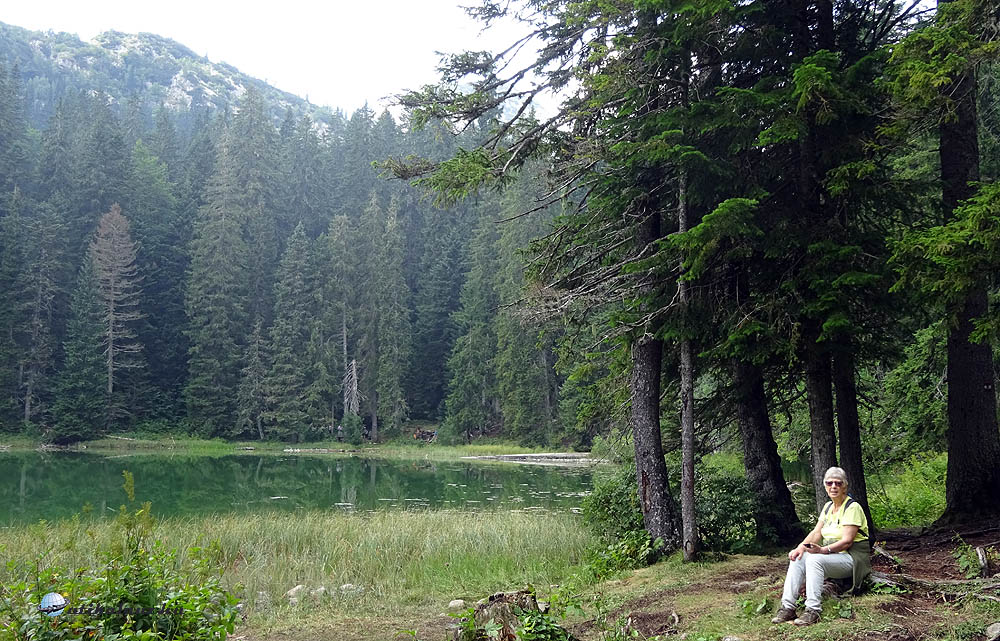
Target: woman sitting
{"type": "Point", "coordinates": [837, 548]}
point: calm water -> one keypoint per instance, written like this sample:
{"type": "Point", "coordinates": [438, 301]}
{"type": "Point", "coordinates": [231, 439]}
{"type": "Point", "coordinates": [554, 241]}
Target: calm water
{"type": "Point", "coordinates": [51, 486]}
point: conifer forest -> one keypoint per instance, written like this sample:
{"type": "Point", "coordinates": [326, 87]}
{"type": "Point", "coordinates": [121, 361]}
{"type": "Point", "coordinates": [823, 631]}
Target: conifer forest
{"type": "Point", "coordinates": [767, 226]}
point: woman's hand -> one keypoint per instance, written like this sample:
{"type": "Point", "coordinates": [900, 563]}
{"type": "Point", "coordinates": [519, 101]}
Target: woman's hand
{"type": "Point", "coordinates": [799, 550]}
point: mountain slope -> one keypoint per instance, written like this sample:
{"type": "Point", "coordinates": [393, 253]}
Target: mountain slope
{"type": "Point", "coordinates": [155, 70]}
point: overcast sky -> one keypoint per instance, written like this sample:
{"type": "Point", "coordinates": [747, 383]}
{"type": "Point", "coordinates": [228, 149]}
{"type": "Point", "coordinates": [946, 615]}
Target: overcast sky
{"type": "Point", "coordinates": [338, 53]}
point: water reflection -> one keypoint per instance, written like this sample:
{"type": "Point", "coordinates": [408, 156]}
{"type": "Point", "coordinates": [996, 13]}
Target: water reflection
{"type": "Point", "coordinates": [56, 485]}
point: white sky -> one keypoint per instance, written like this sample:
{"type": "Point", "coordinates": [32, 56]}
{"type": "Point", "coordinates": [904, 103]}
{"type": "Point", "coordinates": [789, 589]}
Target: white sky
{"type": "Point", "coordinates": [339, 53]}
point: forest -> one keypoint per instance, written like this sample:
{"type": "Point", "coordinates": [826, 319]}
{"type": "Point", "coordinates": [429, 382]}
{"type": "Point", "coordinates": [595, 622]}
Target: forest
{"type": "Point", "coordinates": [768, 227]}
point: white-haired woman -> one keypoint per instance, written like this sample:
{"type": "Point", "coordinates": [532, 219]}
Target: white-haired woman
{"type": "Point", "coordinates": [837, 548]}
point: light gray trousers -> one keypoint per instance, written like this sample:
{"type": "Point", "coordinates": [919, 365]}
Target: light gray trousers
{"type": "Point", "coordinates": [813, 568]}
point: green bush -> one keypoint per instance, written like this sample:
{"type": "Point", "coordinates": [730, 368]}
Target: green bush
{"type": "Point", "coordinates": [912, 495]}
{"type": "Point", "coordinates": [140, 592]}
{"type": "Point", "coordinates": [630, 551]}
{"type": "Point", "coordinates": [612, 508]}
{"type": "Point", "coordinates": [725, 505]}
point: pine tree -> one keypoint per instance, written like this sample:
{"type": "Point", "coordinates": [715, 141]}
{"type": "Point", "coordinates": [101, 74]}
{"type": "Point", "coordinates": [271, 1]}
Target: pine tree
{"type": "Point", "coordinates": [80, 405]}
{"type": "Point", "coordinates": [216, 302]}
{"type": "Point", "coordinates": [251, 402]}
{"type": "Point", "coordinates": [472, 388]}
{"type": "Point", "coordinates": [113, 254]}
{"type": "Point", "coordinates": [13, 246]}
{"type": "Point", "coordinates": [251, 153]}
{"type": "Point", "coordinates": [337, 290]}
{"type": "Point", "coordinates": [162, 260]}
{"type": "Point", "coordinates": [287, 415]}
{"type": "Point", "coordinates": [39, 285]}
{"type": "Point", "coordinates": [437, 299]}
{"type": "Point", "coordinates": [392, 296]}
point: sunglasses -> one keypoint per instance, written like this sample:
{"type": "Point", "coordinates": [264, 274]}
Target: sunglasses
{"type": "Point", "coordinates": [833, 483]}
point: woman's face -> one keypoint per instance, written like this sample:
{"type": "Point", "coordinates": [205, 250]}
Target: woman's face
{"type": "Point", "coordinates": [834, 488]}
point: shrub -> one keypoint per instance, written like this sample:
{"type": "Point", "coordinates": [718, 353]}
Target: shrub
{"type": "Point", "coordinates": [910, 496]}
{"type": "Point", "coordinates": [140, 593]}
{"type": "Point", "coordinates": [612, 508]}
{"type": "Point", "coordinates": [725, 505]}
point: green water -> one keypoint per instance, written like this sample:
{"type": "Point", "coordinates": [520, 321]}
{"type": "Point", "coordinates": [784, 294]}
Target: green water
{"type": "Point", "coordinates": [52, 486]}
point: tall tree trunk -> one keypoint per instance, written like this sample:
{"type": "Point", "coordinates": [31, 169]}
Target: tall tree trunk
{"type": "Point", "coordinates": [689, 518]}
{"type": "Point", "coordinates": [972, 490]}
{"type": "Point", "coordinates": [973, 485]}
{"type": "Point", "coordinates": [819, 392]}
{"type": "Point", "coordinates": [849, 428]}
{"type": "Point", "coordinates": [659, 514]}
{"type": "Point", "coordinates": [343, 337]}
{"type": "Point", "coordinates": [774, 511]}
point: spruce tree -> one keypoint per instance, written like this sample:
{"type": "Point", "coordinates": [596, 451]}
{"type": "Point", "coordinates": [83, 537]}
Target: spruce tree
{"type": "Point", "coordinates": [472, 388]}
{"type": "Point", "coordinates": [37, 291]}
{"type": "Point", "coordinates": [251, 403]}
{"type": "Point", "coordinates": [80, 403]}
{"type": "Point", "coordinates": [216, 302]}
{"type": "Point", "coordinates": [286, 383]}
{"type": "Point", "coordinates": [393, 326]}
{"type": "Point", "coordinates": [162, 260]}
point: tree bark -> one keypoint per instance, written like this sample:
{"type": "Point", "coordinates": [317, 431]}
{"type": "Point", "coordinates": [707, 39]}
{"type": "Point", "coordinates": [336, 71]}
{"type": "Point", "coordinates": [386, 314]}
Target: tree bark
{"type": "Point", "coordinates": [819, 392]}
{"type": "Point", "coordinates": [659, 513]}
{"type": "Point", "coordinates": [972, 490]}
{"type": "Point", "coordinates": [689, 518]}
{"type": "Point", "coordinates": [774, 511]}
{"type": "Point", "coordinates": [973, 486]}
{"type": "Point", "coordinates": [849, 429]}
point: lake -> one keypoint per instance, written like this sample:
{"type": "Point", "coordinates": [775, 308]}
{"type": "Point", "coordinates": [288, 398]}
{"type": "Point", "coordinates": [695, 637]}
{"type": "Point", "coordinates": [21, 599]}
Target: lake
{"type": "Point", "coordinates": [57, 485]}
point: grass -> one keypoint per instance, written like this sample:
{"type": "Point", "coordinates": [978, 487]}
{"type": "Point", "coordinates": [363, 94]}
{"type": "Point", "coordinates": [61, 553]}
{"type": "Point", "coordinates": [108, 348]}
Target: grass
{"type": "Point", "coordinates": [395, 560]}
{"type": "Point", "coordinates": [713, 601]}
{"type": "Point", "coordinates": [405, 567]}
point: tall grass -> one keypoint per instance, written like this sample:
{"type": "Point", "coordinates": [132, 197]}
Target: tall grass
{"type": "Point", "coordinates": [392, 560]}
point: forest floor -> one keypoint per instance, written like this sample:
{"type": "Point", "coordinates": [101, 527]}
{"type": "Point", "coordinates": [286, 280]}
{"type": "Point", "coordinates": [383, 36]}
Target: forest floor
{"type": "Point", "coordinates": [730, 599]}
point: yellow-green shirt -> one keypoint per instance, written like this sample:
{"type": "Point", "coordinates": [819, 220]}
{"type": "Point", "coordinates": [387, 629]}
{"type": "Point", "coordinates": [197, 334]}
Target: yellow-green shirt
{"type": "Point", "coordinates": [834, 520]}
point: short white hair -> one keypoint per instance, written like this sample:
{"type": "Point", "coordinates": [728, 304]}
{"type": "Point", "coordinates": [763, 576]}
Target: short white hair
{"type": "Point", "coordinates": [836, 473]}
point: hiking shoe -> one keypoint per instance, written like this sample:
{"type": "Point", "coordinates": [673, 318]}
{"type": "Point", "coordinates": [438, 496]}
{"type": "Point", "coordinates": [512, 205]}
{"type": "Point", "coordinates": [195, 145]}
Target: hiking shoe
{"type": "Point", "coordinates": [808, 617]}
{"type": "Point", "coordinates": [784, 615]}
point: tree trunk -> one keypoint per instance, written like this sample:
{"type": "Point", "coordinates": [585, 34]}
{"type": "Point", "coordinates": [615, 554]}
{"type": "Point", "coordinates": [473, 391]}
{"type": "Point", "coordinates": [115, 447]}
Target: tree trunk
{"type": "Point", "coordinates": [819, 392]}
{"type": "Point", "coordinates": [972, 490]}
{"type": "Point", "coordinates": [774, 512]}
{"type": "Point", "coordinates": [973, 486]}
{"type": "Point", "coordinates": [659, 514]}
{"type": "Point", "coordinates": [849, 429]}
{"type": "Point", "coordinates": [343, 334]}
{"type": "Point", "coordinates": [689, 518]}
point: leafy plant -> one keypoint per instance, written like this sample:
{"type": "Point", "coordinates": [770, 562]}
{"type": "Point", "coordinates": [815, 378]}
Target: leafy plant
{"type": "Point", "coordinates": [140, 592]}
{"type": "Point", "coordinates": [633, 550]}
{"type": "Point", "coordinates": [754, 608]}
{"type": "Point", "coordinates": [539, 626]}
{"type": "Point", "coordinates": [967, 559]}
